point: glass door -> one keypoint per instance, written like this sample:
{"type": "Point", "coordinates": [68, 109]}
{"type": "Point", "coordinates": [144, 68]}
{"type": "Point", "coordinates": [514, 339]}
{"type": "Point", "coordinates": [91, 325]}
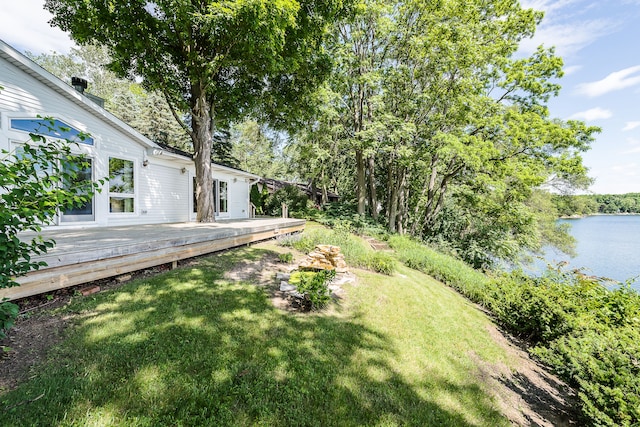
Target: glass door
{"type": "Point", "coordinates": [84, 212]}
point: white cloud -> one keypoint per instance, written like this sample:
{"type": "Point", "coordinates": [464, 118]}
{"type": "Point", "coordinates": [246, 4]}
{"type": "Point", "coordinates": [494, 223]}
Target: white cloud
{"type": "Point", "coordinates": [24, 25]}
{"type": "Point", "coordinates": [592, 114]}
{"type": "Point", "coordinates": [565, 26]}
{"type": "Point", "coordinates": [571, 69]}
{"type": "Point", "coordinates": [547, 6]}
{"type": "Point", "coordinates": [568, 38]}
{"type": "Point", "coordinates": [617, 80]}
{"type": "Point", "coordinates": [630, 126]}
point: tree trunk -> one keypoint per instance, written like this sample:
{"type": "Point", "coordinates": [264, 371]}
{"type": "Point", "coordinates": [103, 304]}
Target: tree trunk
{"type": "Point", "coordinates": [202, 140]}
{"type": "Point", "coordinates": [325, 196]}
{"type": "Point", "coordinates": [373, 199]}
{"type": "Point", "coordinates": [392, 215]}
{"type": "Point", "coordinates": [361, 191]}
{"type": "Point", "coordinates": [402, 180]}
{"type": "Point", "coordinates": [314, 192]}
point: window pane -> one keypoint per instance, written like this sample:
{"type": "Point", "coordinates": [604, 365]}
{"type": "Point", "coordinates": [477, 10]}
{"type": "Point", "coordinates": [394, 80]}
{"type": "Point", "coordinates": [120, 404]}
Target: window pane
{"type": "Point", "coordinates": [121, 204]}
{"type": "Point", "coordinates": [195, 200]}
{"type": "Point", "coordinates": [223, 197]}
{"type": "Point", "coordinates": [82, 175]}
{"type": "Point", "coordinates": [121, 176]}
{"type": "Point", "coordinates": [54, 128]}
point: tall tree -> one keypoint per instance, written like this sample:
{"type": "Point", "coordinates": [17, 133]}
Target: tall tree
{"type": "Point", "coordinates": [450, 130]}
{"type": "Point", "coordinates": [214, 59]}
{"type": "Point", "coordinates": [360, 46]}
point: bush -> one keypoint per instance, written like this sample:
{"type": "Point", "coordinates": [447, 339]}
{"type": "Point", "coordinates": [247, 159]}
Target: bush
{"type": "Point", "coordinates": [345, 216]}
{"type": "Point", "coordinates": [8, 314]}
{"type": "Point", "coordinates": [605, 367]}
{"type": "Point", "coordinates": [314, 287]}
{"type": "Point", "coordinates": [589, 335]}
{"type": "Point", "coordinates": [296, 200]}
{"type": "Point", "coordinates": [37, 181]}
{"type": "Point", "coordinates": [286, 258]}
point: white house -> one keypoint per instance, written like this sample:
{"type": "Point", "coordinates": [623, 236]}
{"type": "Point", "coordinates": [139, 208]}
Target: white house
{"type": "Point", "coordinates": [151, 183]}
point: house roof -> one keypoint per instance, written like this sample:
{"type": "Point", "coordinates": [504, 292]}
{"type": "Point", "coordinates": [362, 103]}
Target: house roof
{"type": "Point", "coordinates": [65, 90]}
{"type": "Point", "coordinates": [276, 184]}
{"type": "Point", "coordinates": [218, 166]}
{"type": "Point", "coordinates": [36, 71]}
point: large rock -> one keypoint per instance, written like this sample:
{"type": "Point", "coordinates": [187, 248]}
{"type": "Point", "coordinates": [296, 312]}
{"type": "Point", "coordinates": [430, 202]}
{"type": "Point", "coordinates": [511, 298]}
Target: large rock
{"type": "Point", "coordinates": [324, 257]}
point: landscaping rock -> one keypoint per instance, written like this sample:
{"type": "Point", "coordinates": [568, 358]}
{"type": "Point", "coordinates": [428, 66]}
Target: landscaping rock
{"type": "Point", "coordinates": [324, 257]}
{"type": "Point", "coordinates": [286, 287]}
{"type": "Point", "coordinates": [283, 276]}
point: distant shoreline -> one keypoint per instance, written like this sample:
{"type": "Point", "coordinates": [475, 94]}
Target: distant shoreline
{"type": "Point", "coordinates": [599, 214]}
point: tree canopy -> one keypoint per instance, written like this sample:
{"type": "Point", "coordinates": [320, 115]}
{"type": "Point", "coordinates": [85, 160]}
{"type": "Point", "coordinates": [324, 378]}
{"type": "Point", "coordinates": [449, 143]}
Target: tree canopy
{"type": "Point", "coordinates": [430, 120]}
{"type": "Point", "coordinates": [446, 129]}
{"type": "Point", "coordinates": [215, 60]}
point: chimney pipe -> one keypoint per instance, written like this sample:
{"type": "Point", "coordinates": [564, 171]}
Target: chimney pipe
{"type": "Point", "coordinates": [79, 84]}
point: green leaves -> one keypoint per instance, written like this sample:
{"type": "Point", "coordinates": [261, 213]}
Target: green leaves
{"type": "Point", "coordinates": [38, 180]}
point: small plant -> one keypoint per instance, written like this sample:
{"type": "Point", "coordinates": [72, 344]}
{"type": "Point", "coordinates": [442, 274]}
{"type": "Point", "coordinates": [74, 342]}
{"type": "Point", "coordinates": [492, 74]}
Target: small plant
{"type": "Point", "coordinates": [286, 258]}
{"type": "Point", "coordinates": [314, 287]}
{"type": "Point", "coordinates": [8, 314]}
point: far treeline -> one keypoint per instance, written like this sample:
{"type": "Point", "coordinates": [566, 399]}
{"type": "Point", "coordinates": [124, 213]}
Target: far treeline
{"type": "Point", "coordinates": [589, 204]}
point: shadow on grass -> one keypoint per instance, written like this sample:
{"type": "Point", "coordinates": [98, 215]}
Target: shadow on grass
{"type": "Point", "coordinates": [189, 348]}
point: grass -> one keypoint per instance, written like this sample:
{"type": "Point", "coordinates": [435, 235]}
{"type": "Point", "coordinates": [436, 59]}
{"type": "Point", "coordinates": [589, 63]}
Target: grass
{"type": "Point", "coordinates": [356, 251]}
{"type": "Point", "coordinates": [190, 348]}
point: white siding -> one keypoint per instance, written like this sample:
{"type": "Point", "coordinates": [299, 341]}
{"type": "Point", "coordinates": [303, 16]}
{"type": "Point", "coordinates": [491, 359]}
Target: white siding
{"type": "Point", "coordinates": [163, 192]}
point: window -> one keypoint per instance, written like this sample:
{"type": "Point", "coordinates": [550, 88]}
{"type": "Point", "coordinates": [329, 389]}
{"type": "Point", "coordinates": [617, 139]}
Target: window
{"type": "Point", "coordinates": [195, 199]}
{"type": "Point", "coordinates": [222, 197]}
{"type": "Point", "coordinates": [53, 128]}
{"type": "Point", "coordinates": [85, 211]}
{"type": "Point", "coordinates": [121, 186]}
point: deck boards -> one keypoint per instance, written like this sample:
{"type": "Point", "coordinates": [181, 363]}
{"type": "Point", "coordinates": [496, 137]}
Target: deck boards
{"type": "Point", "coordinates": [84, 255]}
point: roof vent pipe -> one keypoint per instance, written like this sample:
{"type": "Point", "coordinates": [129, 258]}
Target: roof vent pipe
{"type": "Point", "coordinates": [79, 84]}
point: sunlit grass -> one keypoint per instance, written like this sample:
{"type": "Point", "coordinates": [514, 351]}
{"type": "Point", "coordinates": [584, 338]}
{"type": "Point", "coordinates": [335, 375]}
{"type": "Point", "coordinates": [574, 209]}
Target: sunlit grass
{"type": "Point", "coordinates": [189, 347]}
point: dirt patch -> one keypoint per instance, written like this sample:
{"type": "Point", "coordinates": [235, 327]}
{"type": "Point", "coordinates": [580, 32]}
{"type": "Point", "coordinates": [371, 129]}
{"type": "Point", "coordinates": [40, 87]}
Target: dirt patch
{"type": "Point", "coordinates": [29, 341]}
{"type": "Point", "coordinates": [37, 330]}
{"type": "Point", "coordinates": [526, 393]}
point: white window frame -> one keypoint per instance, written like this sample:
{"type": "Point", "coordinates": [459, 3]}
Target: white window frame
{"type": "Point", "coordinates": [133, 196]}
{"type": "Point", "coordinates": [216, 197]}
{"type": "Point", "coordinates": [218, 208]}
{"type": "Point", "coordinates": [15, 141]}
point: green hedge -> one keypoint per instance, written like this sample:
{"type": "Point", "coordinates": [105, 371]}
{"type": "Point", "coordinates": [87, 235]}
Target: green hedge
{"type": "Point", "coordinates": [589, 335]}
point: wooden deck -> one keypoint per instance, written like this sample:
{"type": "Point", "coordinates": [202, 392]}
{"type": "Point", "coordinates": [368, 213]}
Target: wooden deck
{"type": "Point", "coordinates": [84, 255]}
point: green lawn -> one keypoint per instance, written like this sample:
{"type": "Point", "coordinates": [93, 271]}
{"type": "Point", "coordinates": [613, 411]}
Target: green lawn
{"type": "Point", "coordinates": [189, 348]}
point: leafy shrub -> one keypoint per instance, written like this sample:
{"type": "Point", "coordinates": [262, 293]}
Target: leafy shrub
{"type": "Point", "coordinates": [588, 334]}
{"type": "Point", "coordinates": [286, 258]}
{"type": "Point", "coordinates": [37, 181]}
{"type": "Point", "coordinates": [345, 216]}
{"type": "Point", "coordinates": [455, 273]}
{"type": "Point", "coordinates": [296, 200]}
{"type": "Point", "coordinates": [381, 262]}
{"type": "Point", "coordinates": [605, 366]}
{"type": "Point", "coordinates": [8, 314]}
{"type": "Point", "coordinates": [314, 287]}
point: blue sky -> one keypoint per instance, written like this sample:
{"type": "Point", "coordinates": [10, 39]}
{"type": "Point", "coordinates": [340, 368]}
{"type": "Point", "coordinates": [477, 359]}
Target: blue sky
{"type": "Point", "coordinates": [598, 40]}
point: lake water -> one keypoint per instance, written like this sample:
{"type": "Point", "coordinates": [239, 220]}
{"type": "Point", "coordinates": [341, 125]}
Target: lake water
{"type": "Point", "coordinates": [607, 246]}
